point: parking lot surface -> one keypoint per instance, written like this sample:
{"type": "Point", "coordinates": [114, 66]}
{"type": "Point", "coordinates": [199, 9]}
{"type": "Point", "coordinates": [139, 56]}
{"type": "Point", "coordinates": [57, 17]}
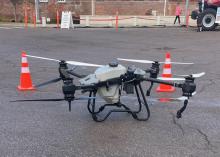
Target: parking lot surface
{"type": "Point", "coordinates": [42, 129]}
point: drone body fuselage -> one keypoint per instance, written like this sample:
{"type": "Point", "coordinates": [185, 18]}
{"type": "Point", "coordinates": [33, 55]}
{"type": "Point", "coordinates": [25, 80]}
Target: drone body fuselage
{"type": "Point", "coordinates": [109, 93]}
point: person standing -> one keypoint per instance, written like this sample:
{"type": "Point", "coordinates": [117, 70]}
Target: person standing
{"type": "Point", "coordinates": [177, 13]}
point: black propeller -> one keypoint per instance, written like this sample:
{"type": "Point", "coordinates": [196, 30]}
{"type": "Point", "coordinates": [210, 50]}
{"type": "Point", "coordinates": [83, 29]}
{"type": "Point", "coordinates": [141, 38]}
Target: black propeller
{"type": "Point", "coordinates": [49, 82]}
{"type": "Point", "coordinates": [62, 99]}
{"type": "Point", "coordinates": [63, 75]}
{"type": "Point", "coordinates": [38, 100]}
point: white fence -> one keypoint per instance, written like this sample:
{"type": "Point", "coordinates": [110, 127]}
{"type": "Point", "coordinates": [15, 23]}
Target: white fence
{"type": "Point", "coordinates": [130, 21]}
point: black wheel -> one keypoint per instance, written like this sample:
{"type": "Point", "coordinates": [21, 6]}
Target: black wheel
{"type": "Point", "coordinates": [206, 19]}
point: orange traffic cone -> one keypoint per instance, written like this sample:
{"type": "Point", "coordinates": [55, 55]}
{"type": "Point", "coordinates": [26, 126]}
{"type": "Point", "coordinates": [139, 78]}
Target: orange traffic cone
{"type": "Point", "coordinates": [167, 74]}
{"type": "Point", "coordinates": [25, 77]}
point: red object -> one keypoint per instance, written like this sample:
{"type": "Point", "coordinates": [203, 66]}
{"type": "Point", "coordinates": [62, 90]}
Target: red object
{"type": "Point", "coordinates": [116, 21]}
{"type": "Point", "coordinates": [166, 74]}
{"type": "Point", "coordinates": [178, 10]}
{"type": "Point", "coordinates": [164, 99]}
{"type": "Point", "coordinates": [58, 19]}
{"type": "Point", "coordinates": [34, 20]}
{"type": "Point", "coordinates": [26, 16]}
{"type": "Point", "coordinates": [213, 2]}
{"type": "Point", "coordinates": [25, 77]}
{"type": "Point", "coordinates": [187, 19]}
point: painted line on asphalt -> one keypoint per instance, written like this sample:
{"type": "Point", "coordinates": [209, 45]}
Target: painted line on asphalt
{"type": "Point", "coordinates": [11, 27]}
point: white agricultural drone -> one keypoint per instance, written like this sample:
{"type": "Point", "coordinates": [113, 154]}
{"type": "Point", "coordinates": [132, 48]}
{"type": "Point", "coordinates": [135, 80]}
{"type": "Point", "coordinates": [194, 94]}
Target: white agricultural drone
{"type": "Point", "coordinates": [109, 81]}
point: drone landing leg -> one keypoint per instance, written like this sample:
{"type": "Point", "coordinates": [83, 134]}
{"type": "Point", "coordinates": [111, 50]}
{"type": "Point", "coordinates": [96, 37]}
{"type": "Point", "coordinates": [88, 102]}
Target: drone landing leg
{"type": "Point", "coordinates": [179, 112]}
{"type": "Point", "coordinates": [134, 114]}
{"type": "Point", "coordinates": [150, 88]}
{"type": "Point", "coordinates": [95, 114]}
{"type": "Point", "coordinates": [90, 105]}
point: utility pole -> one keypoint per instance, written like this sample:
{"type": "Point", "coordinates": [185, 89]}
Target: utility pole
{"type": "Point", "coordinates": [165, 8]}
{"type": "Point", "coordinates": [186, 11]}
{"type": "Point", "coordinates": [93, 7]}
{"type": "Point", "coordinates": [37, 10]}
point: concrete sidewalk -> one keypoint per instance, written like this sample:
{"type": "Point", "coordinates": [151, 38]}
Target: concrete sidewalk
{"type": "Point", "coordinates": [110, 21]}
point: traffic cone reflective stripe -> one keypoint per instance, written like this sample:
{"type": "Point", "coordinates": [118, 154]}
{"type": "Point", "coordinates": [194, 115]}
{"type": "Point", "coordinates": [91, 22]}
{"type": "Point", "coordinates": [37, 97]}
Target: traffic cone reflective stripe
{"type": "Point", "coordinates": [167, 71]}
{"type": "Point", "coordinates": [25, 77]}
{"type": "Point", "coordinates": [168, 74]}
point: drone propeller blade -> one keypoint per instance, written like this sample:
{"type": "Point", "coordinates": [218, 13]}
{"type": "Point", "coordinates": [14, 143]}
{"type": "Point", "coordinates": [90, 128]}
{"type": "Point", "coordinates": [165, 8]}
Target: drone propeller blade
{"type": "Point", "coordinates": [176, 63]}
{"type": "Point", "coordinates": [50, 59]}
{"type": "Point", "coordinates": [198, 75]}
{"type": "Point", "coordinates": [181, 79]}
{"type": "Point", "coordinates": [62, 99]}
{"type": "Point", "coordinates": [182, 98]}
{"type": "Point", "coordinates": [170, 79]}
{"type": "Point", "coordinates": [38, 100]}
{"type": "Point", "coordinates": [194, 75]}
{"type": "Point", "coordinates": [179, 99]}
{"type": "Point", "coordinates": [82, 64]}
{"type": "Point", "coordinates": [149, 61]}
{"type": "Point", "coordinates": [69, 62]}
{"type": "Point", "coordinates": [135, 60]}
{"type": "Point", "coordinates": [49, 82]}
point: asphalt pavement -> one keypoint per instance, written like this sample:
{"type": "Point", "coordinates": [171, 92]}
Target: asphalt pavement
{"type": "Point", "coordinates": [39, 129]}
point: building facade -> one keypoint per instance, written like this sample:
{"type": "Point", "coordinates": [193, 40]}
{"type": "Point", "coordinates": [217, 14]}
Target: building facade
{"type": "Point", "coordinates": [48, 8]}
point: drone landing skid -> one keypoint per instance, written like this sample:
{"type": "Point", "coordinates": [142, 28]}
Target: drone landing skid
{"type": "Point", "coordinates": [123, 108]}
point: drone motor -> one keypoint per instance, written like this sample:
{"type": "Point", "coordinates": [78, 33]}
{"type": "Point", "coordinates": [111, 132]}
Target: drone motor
{"type": "Point", "coordinates": [189, 87]}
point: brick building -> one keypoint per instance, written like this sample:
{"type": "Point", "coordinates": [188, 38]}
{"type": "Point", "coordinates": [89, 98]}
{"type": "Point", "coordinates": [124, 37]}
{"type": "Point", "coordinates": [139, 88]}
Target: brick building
{"type": "Point", "coordinates": [48, 8]}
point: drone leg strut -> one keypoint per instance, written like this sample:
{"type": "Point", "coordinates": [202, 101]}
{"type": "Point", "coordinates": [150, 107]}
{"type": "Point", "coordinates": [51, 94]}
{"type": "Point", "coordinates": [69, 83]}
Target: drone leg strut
{"type": "Point", "coordinates": [180, 111]}
{"type": "Point", "coordinates": [92, 105]}
{"type": "Point", "coordinates": [134, 114]}
{"type": "Point", "coordinates": [123, 108]}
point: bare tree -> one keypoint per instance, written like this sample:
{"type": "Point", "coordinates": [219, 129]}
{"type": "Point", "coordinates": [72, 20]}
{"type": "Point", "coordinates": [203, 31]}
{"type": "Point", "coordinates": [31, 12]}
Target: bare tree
{"type": "Point", "coordinates": [15, 3]}
{"type": "Point", "coordinates": [29, 1]}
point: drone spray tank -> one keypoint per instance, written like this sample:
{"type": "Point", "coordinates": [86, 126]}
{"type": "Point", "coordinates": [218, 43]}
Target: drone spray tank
{"type": "Point", "coordinates": [109, 93]}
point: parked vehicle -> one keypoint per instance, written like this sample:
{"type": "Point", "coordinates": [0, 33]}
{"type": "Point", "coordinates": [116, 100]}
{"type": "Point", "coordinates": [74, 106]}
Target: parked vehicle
{"type": "Point", "coordinates": [206, 14]}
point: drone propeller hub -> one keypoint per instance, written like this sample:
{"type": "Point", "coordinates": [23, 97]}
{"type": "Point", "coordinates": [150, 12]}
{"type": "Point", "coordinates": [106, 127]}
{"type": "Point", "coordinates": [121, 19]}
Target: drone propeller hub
{"type": "Point", "coordinates": [63, 63]}
{"type": "Point", "coordinates": [113, 64]}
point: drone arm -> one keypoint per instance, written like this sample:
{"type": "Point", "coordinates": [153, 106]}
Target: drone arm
{"type": "Point", "coordinates": [148, 71]}
{"type": "Point", "coordinates": [86, 88]}
{"type": "Point", "coordinates": [188, 87]}
{"type": "Point", "coordinates": [75, 74]}
{"type": "Point", "coordinates": [153, 80]}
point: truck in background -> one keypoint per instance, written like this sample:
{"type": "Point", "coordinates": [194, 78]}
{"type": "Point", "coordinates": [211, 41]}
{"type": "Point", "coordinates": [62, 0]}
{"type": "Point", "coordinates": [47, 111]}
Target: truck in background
{"type": "Point", "coordinates": [206, 14]}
